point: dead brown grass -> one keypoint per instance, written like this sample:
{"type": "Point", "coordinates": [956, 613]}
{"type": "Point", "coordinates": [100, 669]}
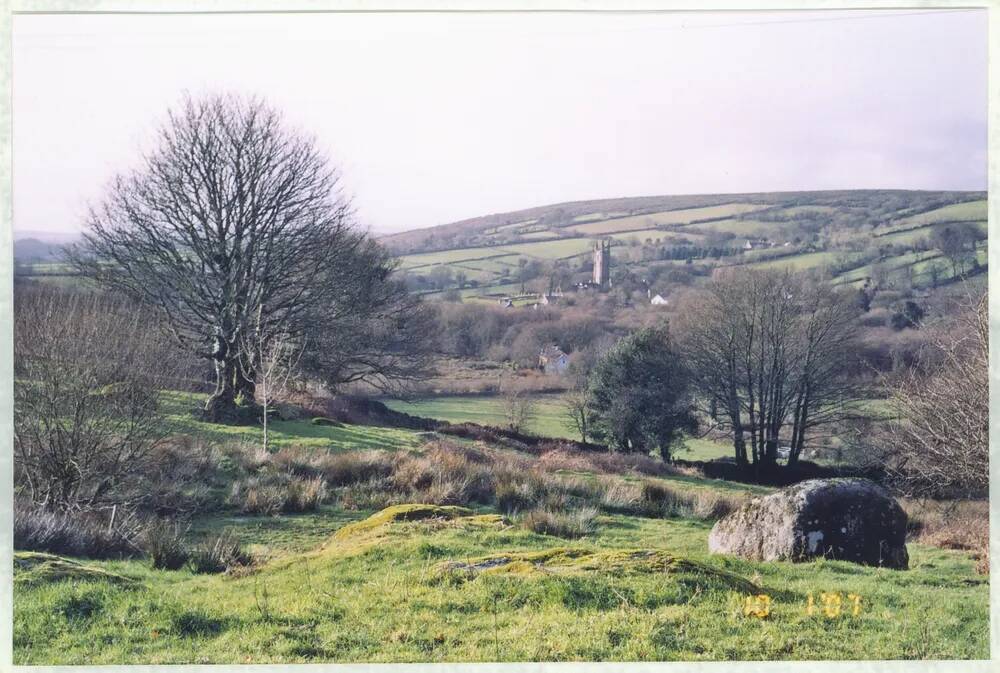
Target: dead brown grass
{"type": "Point", "coordinates": [955, 524]}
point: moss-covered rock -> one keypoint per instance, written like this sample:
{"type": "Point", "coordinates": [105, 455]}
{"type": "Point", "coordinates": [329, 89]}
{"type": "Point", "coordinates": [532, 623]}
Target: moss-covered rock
{"type": "Point", "coordinates": [401, 513]}
{"type": "Point", "coordinates": [35, 567]}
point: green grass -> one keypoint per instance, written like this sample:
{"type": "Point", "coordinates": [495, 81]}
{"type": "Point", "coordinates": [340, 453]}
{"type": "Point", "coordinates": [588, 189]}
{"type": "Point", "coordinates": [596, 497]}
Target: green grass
{"type": "Point", "coordinates": [449, 256]}
{"type": "Point", "coordinates": [907, 236]}
{"type": "Point", "coordinates": [180, 410]}
{"type": "Point", "coordinates": [380, 594]}
{"type": "Point", "coordinates": [777, 231]}
{"type": "Point", "coordinates": [969, 211]}
{"type": "Point", "coordinates": [382, 597]}
{"type": "Point", "coordinates": [808, 260]}
{"type": "Point", "coordinates": [662, 218]}
{"type": "Point", "coordinates": [549, 420]}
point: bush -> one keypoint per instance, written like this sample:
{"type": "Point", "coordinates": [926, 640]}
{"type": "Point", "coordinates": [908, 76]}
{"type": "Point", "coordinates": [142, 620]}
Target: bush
{"type": "Point", "coordinates": [220, 553]}
{"type": "Point", "coordinates": [712, 505]}
{"type": "Point", "coordinates": [622, 497]}
{"type": "Point", "coordinates": [36, 529]}
{"type": "Point", "coordinates": [955, 524]}
{"type": "Point", "coordinates": [88, 367]}
{"type": "Point", "coordinates": [305, 495]}
{"type": "Point", "coordinates": [340, 469]}
{"type": "Point", "coordinates": [163, 542]}
{"type": "Point", "coordinates": [272, 493]}
{"type": "Point", "coordinates": [517, 493]}
{"type": "Point", "coordinates": [180, 478]}
{"type": "Point", "coordinates": [372, 494]}
{"type": "Point", "coordinates": [660, 500]}
{"type": "Point", "coordinates": [573, 524]}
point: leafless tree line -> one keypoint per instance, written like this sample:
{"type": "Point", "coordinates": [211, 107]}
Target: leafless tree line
{"type": "Point", "coordinates": [768, 351]}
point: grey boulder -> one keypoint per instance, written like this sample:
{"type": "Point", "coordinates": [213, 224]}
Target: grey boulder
{"type": "Point", "coordinates": [844, 519]}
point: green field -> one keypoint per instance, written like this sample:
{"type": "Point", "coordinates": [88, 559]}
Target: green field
{"type": "Point", "coordinates": [969, 211]}
{"type": "Point", "coordinates": [777, 231]}
{"type": "Point", "coordinates": [835, 226]}
{"type": "Point", "coordinates": [901, 236]}
{"type": "Point", "coordinates": [449, 256]}
{"type": "Point", "coordinates": [663, 218]}
{"type": "Point", "coordinates": [808, 260]}
{"type": "Point", "coordinates": [549, 419]}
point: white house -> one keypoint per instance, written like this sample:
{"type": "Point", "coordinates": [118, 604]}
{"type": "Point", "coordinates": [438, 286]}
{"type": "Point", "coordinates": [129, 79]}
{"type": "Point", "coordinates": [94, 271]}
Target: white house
{"type": "Point", "coordinates": [658, 300]}
{"type": "Point", "coordinates": [552, 360]}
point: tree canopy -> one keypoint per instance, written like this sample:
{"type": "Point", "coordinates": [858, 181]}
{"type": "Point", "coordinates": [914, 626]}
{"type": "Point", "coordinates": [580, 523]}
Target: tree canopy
{"type": "Point", "coordinates": [233, 215]}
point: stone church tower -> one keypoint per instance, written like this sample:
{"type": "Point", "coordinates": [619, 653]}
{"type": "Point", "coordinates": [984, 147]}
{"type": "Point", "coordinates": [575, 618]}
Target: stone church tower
{"type": "Point", "coordinates": [602, 263]}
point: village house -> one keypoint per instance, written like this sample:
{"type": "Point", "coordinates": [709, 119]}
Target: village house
{"type": "Point", "coordinates": [659, 300]}
{"type": "Point", "coordinates": [552, 360]}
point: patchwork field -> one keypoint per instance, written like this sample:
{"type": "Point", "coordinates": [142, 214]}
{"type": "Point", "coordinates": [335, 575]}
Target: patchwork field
{"type": "Point", "coordinates": [664, 218]}
{"type": "Point", "coordinates": [970, 211]}
{"type": "Point", "coordinates": [829, 226]}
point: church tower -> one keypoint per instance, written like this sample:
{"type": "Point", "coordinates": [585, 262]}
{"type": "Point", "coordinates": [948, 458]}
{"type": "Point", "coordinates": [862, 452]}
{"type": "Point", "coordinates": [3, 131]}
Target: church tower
{"type": "Point", "coordinates": [602, 263]}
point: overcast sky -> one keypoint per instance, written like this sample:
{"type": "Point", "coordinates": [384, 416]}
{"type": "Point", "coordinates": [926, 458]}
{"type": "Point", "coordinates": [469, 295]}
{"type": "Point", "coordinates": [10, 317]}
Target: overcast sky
{"type": "Point", "coordinates": [438, 117]}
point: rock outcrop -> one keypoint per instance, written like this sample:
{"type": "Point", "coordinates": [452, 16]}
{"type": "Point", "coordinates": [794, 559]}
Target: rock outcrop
{"type": "Point", "coordinates": [844, 519]}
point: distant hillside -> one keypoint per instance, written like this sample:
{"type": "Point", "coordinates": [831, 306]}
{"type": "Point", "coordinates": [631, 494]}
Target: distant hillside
{"type": "Point", "coordinates": [559, 218]}
{"type": "Point", "coordinates": [664, 241]}
{"type": "Point", "coordinates": [34, 250]}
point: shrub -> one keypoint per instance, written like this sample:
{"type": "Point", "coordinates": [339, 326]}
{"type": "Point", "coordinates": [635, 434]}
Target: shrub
{"type": "Point", "coordinates": [88, 368]}
{"type": "Point", "coordinates": [444, 474]}
{"type": "Point", "coordinates": [518, 493]}
{"type": "Point", "coordinates": [253, 497]}
{"type": "Point", "coordinates": [983, 563]}
{"type": "Point", "coordinates": [714, 505]}
{"type": "Point", "coordinates": [220, 553]}
{"type": "Point", "coordinates": [36, 529]}
{"type": "Point", "coordinates": [956, 524]}
{"type": "Point", "coordinates": [163, 542]}
{"type": "Point", "coordinates": [622, 497]}
{"type": "Point", "coordinates": [372, 494]}
{"type": "Point", "coordinates": [272, 493]}
{"type": "Point", "coordinates": [305, 495]}
{"type": "Point", "coordinates": [180, 478]}
{"type": "Point", "coordinates": [341, 469]}
{"type": "Point", "coordinates": [660, 500]}
{"type": "Point", "coordinates": [573, 524]}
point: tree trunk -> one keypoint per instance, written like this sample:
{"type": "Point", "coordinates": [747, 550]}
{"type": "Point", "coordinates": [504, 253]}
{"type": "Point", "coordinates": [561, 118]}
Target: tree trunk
{"type": "Point", "coordinates": [246, 388]}
{"type": "Point", "coordinates": [741, 447]}
{"type": "Point", "coordinates": [221, 405]}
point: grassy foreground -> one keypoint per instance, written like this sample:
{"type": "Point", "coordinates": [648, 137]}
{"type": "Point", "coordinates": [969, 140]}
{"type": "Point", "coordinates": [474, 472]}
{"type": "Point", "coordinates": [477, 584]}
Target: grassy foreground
{"type": "Point", "coordinates": [405, 591]}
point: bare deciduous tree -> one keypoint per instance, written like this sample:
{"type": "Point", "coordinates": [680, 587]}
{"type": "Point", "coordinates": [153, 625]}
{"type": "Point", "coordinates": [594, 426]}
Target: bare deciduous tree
{"type": "Point", "coordinates": [518, 407]}
{"type": "Point", "coordinates": [230, 212]}
{"type": "Point", "coordinates": [269, 360]}
{"type": "Point", "coordinates": [770, 352]}
{"type": "Point", "coordinates": [88, 371]}
{"type": "Point", "coordinates": [936, 441]}
{"type": "Point", "coordinates": [957, 242]}
{"type": "Point", "coordinates": [577, 413]}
